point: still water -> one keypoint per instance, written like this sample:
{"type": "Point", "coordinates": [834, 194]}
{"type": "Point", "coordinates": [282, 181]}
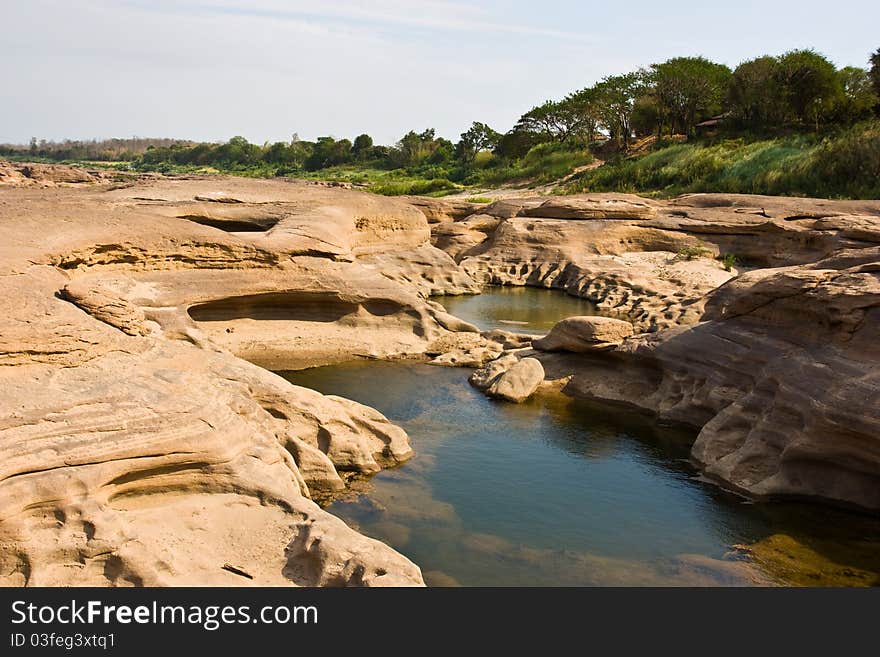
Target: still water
{"type": "Point", "coordinates": [519, 309]}
{"type": "Point", "coordinates": [561, 492]}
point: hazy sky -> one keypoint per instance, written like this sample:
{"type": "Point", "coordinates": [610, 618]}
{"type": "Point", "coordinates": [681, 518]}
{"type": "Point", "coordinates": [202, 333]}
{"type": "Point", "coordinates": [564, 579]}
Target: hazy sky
{"type": "Point", "coordinates": [211, 69]}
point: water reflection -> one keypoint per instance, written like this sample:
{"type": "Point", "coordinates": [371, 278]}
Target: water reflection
{"type": "Point", "coordinates": [557, 492]}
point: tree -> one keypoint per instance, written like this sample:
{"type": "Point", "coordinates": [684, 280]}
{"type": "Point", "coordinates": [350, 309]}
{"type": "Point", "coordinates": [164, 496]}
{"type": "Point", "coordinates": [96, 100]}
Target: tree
{"type": "Point", "coordinates": [516, 143]}
{"type": "Point", "coordinates": [875, 74]}
{"type": "Point", "coordinates": [859, 98]}
{"type": "Point", "coordinates": [362, 146]}
{"type": "Point", "coordinates": [754, 95]}
{"type": "Point", "coordinates": [328, 152]}
{"type": "Point", "coordinates": [809, 84]}
{"type": "Point", "coordinates": [690, 88]}
{"type": "Point", "coordinates": [647, 116]}
{"type": "Point", "coordinates": [416, 148]}
{"type": "Point", "coordinates": [237, 150]}
{"type": "Point", "coordinates": [585, 106]}
{"type": "Point", "coordinates": [479, 137]}
{"type": "Point", "coordinates": [555, 120]}
{"type": "Point", "coordinates": [615, 99]}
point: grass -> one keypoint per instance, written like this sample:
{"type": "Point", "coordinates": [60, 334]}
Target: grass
{"type": "Point", "coordinates": [846, 164]}
{"type": "Point", "coordinates": [544, 163]}
{"type": "Point", "coordinates": [479, 199]}
{"type": "Point", "coordinates": [729, 261]}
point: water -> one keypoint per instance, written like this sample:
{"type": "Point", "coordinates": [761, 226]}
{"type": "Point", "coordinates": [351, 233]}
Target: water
{"type": "Point", "coordinates": [519, 309]}
{"type": "Point", "coordinates": [560, 492]}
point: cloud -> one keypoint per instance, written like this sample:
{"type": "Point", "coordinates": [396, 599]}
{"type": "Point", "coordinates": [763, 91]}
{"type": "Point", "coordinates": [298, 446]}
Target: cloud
{"type": "Point", "coordinates": [422, 14]}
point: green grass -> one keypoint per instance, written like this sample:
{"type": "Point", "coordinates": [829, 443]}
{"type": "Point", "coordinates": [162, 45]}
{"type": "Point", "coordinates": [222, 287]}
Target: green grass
{"type": "Point", "coordinates": [479, 199]}
{"type": "Point", "coordinates": [729, 260]}
{"type": "Point", "coordinates": [846, 164]}
{"type": "Point", "coordinates": [544, 163]}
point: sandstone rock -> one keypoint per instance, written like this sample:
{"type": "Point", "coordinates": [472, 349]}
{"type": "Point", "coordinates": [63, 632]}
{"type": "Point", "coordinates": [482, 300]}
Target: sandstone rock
{"type": "Point", "coordinates": [781, 379]}
{"type": "Point", "coordinates": [463, 349]}
{"type": "Point", "coordinates": [519, 382]}
{"type": "Point", "coordinates": [103, 304]}
{"type": "Point", "coordinates": [440, 210]}
{"type": "Point", "coordinates": [28, 174]}
{"type": "Point", "coordinates": [598, 207]}
{"type": "Point", "coordinates": [426, 268]}
{"type": "Point", "coordinates": [507, 339]}
{"type": "Point", "coordinates": [484, 377]}
{"type": "Point", "coordinates": [136, 448]}
{"type": "Point", "coordinates": [453, 323]}
{"type": "Point", "coordinates": [55, 173]}
{"type": "Point", "coordinates": [580, 334]}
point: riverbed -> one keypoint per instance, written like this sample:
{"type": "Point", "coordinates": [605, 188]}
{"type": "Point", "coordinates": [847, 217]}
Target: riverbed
{"type": "Point", "coordinates": [557, 491]}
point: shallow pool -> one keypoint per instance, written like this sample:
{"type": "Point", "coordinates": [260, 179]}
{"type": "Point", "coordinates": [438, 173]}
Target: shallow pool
{"type": "Point", "coordinates": [518, 309]}
{"type": "Point", "coordinates": [559, 492]}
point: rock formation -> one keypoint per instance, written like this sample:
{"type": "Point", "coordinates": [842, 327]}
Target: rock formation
{"type": "Point", "coordinates": [146, 441]}
{"type": "Point", "coordinates": [140, 444]}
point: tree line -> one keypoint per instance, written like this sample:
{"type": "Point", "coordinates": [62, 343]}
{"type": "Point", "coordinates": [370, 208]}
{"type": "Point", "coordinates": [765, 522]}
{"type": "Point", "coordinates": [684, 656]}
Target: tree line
{"type": "Point", "coordinates": [800, 90]}
{"type": "Point", "coordinates": [110, 150]}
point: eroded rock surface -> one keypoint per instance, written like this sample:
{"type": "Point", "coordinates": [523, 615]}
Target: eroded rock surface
{"type": "Point", "coordinates": [781, 377]}
{"type": "Point", "coordinates": [143, 441]}
{"type": "Point", "coordinates": [140, 444]}
{"type": "Point", "coordinates": [649, 262]}
{"type": "Point", "coordinates": [580, 334]}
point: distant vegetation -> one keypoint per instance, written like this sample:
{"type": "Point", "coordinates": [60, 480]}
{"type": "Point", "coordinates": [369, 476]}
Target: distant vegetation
{"type": "Point", "coordinates": [105, 150]}
{"type": "Point", "coordinates": [844, 164]}
{"type": "Point", "coordinates": [788, 124]}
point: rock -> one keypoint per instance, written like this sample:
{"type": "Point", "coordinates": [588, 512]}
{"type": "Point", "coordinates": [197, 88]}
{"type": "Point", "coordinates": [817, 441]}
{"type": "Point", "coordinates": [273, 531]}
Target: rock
{"type": "Point", "coordinates": [28, 174]}
{"type": "Point", "coordinates": [519, 382]}
{"type": "Point", "coordinates": [453, 323]}
{"type": "Point", "coordinates": [441, 210]}
{"type": "Point", "coordinates": [137, 446]}
{"type": "Point", "coordinates": [507, 339]}
{"type": "Point", "coordinates": [426, 268]}
{"type": "Point", "coordinates": [484, 377]}
{"type": "Point", "coordinates": [581, 334]}
{"type": "Point", "coordinates": [780, 378]}
{"type": "Point", "coordinates": [596, 207]}
{"type": "Point", "coordinates": [104, 305]}
{"type": "Point", "coordinates": [55, 173]}
{"type": "Point", "coordinates": [463, 349]}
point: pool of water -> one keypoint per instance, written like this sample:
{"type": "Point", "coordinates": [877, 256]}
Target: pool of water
{"type": "Point", "coordinates": [559, 492]}
{"type": "Point", "coordinates": [520, 309]}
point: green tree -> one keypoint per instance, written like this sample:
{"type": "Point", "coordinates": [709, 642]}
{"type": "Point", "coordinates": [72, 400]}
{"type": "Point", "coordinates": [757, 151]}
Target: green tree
{"type": "Point", "coordinates": [859, 98]}
{"type": "Point", "coordinates": [810, 86]}
{"type": "Point", "coordinates": [615, 99]}
{"type": "Point", "coordinates": [585, 105]}
{"type": "Point", "coordinates": [516, 143]}
{"type": "Point", "coordinates": [416, 148]}
{"type": "Point", "coordinates": [328, 152]}
{"type": "Point", "coordinates": [479, 137]}
{"type": "Point", "coordinates": [237, 151]}
{"type": "Point", "coordinates": [754, 94]}
{"type": "Point", "coordinates": [689, 89]}
{"type": "Point", "coordinates": [555, 120]}
{"type": "Point", "coordinates": [647, 116]}
{"type": "Point", "coordinates": [362, 146]}
{"type": "Point", "coordinates": [875, 73]}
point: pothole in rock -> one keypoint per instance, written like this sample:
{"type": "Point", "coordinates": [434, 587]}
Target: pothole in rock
{"type": "Point", "coordinates": [248, 225]}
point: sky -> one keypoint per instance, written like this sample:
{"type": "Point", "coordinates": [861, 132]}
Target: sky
{"type": "Point", "coordinates": [265, 69]}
